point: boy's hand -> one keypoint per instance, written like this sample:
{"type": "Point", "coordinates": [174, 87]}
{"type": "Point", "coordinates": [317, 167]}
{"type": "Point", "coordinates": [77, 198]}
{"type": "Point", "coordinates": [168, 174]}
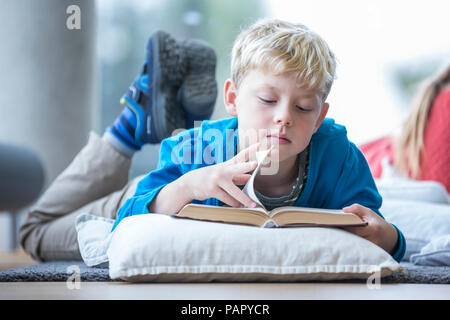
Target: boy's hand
{"type": "Point", "coordinates": [220, 180]}
{"type": "Point", "coordinates": [378, 230]}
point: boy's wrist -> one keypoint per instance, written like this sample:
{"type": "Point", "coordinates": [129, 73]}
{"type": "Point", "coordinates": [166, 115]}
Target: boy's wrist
{"type": "Point", "coordinates": [183, 188]}
{"type": "Point", "coordinates": [171, 198]}
{"type": "Point", "coordinates": [391, 236]}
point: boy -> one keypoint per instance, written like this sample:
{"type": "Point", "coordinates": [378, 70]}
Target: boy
{"type": "Point", "coordinates": [281, 76]}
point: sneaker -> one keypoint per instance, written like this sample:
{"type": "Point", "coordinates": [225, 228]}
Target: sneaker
{"type": "Point", "coordinates": [176, 87]}
{"type": "Point", "coordinates": [198, 92]}
{"type": "Point", "coordinates": [152, 96]}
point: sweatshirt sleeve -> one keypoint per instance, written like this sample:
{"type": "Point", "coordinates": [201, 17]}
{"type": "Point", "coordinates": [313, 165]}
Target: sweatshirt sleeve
{"type": "Point", "coordinates": [400, 247]}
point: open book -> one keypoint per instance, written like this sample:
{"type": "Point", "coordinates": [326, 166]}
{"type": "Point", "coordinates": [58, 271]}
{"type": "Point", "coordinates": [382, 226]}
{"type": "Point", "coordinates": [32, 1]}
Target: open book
{"type": "Point", "coordinates": [279, 217]}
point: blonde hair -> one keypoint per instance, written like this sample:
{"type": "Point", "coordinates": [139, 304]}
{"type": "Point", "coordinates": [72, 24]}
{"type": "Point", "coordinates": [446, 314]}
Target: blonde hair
{"type": "Point", "coordinates": [410, 143]}
{"type": "Point", "coordinates": [281, 47]}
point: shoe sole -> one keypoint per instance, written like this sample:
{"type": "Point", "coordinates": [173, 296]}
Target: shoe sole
{"type": "Point", "coordinates": [167, 113]}
{"type": "Point", "coordinates": [198, 92]}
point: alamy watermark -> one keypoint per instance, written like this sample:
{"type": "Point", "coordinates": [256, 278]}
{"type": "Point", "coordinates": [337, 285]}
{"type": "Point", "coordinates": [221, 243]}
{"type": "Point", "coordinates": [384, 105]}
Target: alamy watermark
{"type": "Point", "coordinates": [74, 279]}
{"type": "Point", "coordinates": [73, 21]}
{"type": "Point", "coordinates": [374, 280]}
{"type": "Point", "coordinates": [218, 146]}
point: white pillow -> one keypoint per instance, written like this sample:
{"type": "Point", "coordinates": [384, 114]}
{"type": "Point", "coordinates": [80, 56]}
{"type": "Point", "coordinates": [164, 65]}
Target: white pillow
{"type": "Point", "coordinates": [159, 248]}
{"type": "Point", "coordinates": [435, 253]}
{"type": "Point", "coordinates": [420, 209]}
{"type": "Point", "coordinates": [94, 235]}
{"type": "Point", "coordinates": [419, 221]}
{"type": "Point", "coordinates": [407, 189]}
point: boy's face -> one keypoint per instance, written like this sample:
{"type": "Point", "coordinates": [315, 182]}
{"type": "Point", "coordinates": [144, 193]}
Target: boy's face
{"type": "Point", "coordinates": [273, 109]}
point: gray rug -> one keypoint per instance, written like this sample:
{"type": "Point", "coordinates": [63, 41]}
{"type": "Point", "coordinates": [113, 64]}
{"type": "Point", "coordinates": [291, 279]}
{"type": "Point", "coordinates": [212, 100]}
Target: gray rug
{"type": "Point", "coordinates": [63, 270]}
{"type": "Point", "coordinates": [55, 271]}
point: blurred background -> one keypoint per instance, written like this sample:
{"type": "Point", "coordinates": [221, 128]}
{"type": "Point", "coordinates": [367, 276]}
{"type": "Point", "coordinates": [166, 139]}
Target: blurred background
{"type": "Point", "coordinates": [57, 83]}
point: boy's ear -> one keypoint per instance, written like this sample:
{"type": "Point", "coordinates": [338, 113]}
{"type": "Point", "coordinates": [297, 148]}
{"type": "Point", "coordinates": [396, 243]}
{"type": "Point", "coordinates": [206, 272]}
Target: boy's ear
{"type": "Point", "coordinates": [229, 97]}
{"type": "Point", "coordinates": [323, 114]}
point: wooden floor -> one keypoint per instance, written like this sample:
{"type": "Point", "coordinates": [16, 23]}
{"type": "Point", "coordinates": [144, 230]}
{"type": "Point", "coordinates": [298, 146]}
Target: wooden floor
{"type": "Point", "coordinates": [207, 291]}
{"type": "Point", "coordinates": [15, 259]}
{"type": "Point", "coordinates": [220, 291]}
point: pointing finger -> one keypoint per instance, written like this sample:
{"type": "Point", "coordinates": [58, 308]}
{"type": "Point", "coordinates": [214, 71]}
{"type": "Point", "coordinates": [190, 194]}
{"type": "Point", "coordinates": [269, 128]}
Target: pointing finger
{"type": "Point", "coordinates": [243, 167]}
{"type": "Point", "coordinates": [246, 153]}
{"type": "Point", "coordinates": [241, 179]}
{"type": "Point", "coordinates": [238, 194]}
{"type": "Point", "coordinates": [227, 199]}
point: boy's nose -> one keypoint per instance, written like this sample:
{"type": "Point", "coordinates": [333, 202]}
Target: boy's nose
{"type": "Point", "coordinates": [283, 117]}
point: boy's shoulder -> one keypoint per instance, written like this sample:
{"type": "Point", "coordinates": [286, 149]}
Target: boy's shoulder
{"type": "Point", "coordinates": [331, 137]}
{"type": "Point", "coordinates": [221, 124]}
{"type": "Point", "coordinates": [207, 127]}
{"type": "Point", "coordinates": [212, 142]}
{"type": "Point", "coordinates": [329, 128]}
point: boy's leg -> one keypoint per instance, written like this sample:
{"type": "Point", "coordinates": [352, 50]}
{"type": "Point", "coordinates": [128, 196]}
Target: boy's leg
{"type": "Point", "coordinates": [96, 181]}
{"type": "Point", "coordinates": [95, 173]}
{"type": "Point", "coordinates": [57, 239]}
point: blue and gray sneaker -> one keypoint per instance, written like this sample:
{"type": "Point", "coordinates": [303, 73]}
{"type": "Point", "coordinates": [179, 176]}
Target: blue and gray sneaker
{"type": "Point", "coordinates": [176, 87]}
{"type": "Point", "coordinates": [151, 110]}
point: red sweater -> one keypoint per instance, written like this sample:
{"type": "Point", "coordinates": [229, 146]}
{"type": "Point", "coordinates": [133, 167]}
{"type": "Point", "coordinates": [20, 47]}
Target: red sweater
{"type": "Point", "coordinates": [435, 164]}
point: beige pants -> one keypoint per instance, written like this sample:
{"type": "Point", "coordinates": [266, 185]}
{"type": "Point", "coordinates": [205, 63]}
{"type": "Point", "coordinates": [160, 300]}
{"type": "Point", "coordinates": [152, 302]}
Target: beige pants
{"type": "Point", "coordinates": [95, 182]}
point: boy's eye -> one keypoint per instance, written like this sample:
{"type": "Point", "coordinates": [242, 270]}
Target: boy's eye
{"type": "Point", "coordinates": [303, 109]}
{"type": "Point", "coordinates": [267, 100]}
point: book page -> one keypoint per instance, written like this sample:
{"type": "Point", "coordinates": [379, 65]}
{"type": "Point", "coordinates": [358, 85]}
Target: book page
{"type": "Point", "coordinates": [251, 216]}
{"type": "Point", "coordinates": [249, 188]}
{"type": "Point", "coordinates": [305, 209]}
